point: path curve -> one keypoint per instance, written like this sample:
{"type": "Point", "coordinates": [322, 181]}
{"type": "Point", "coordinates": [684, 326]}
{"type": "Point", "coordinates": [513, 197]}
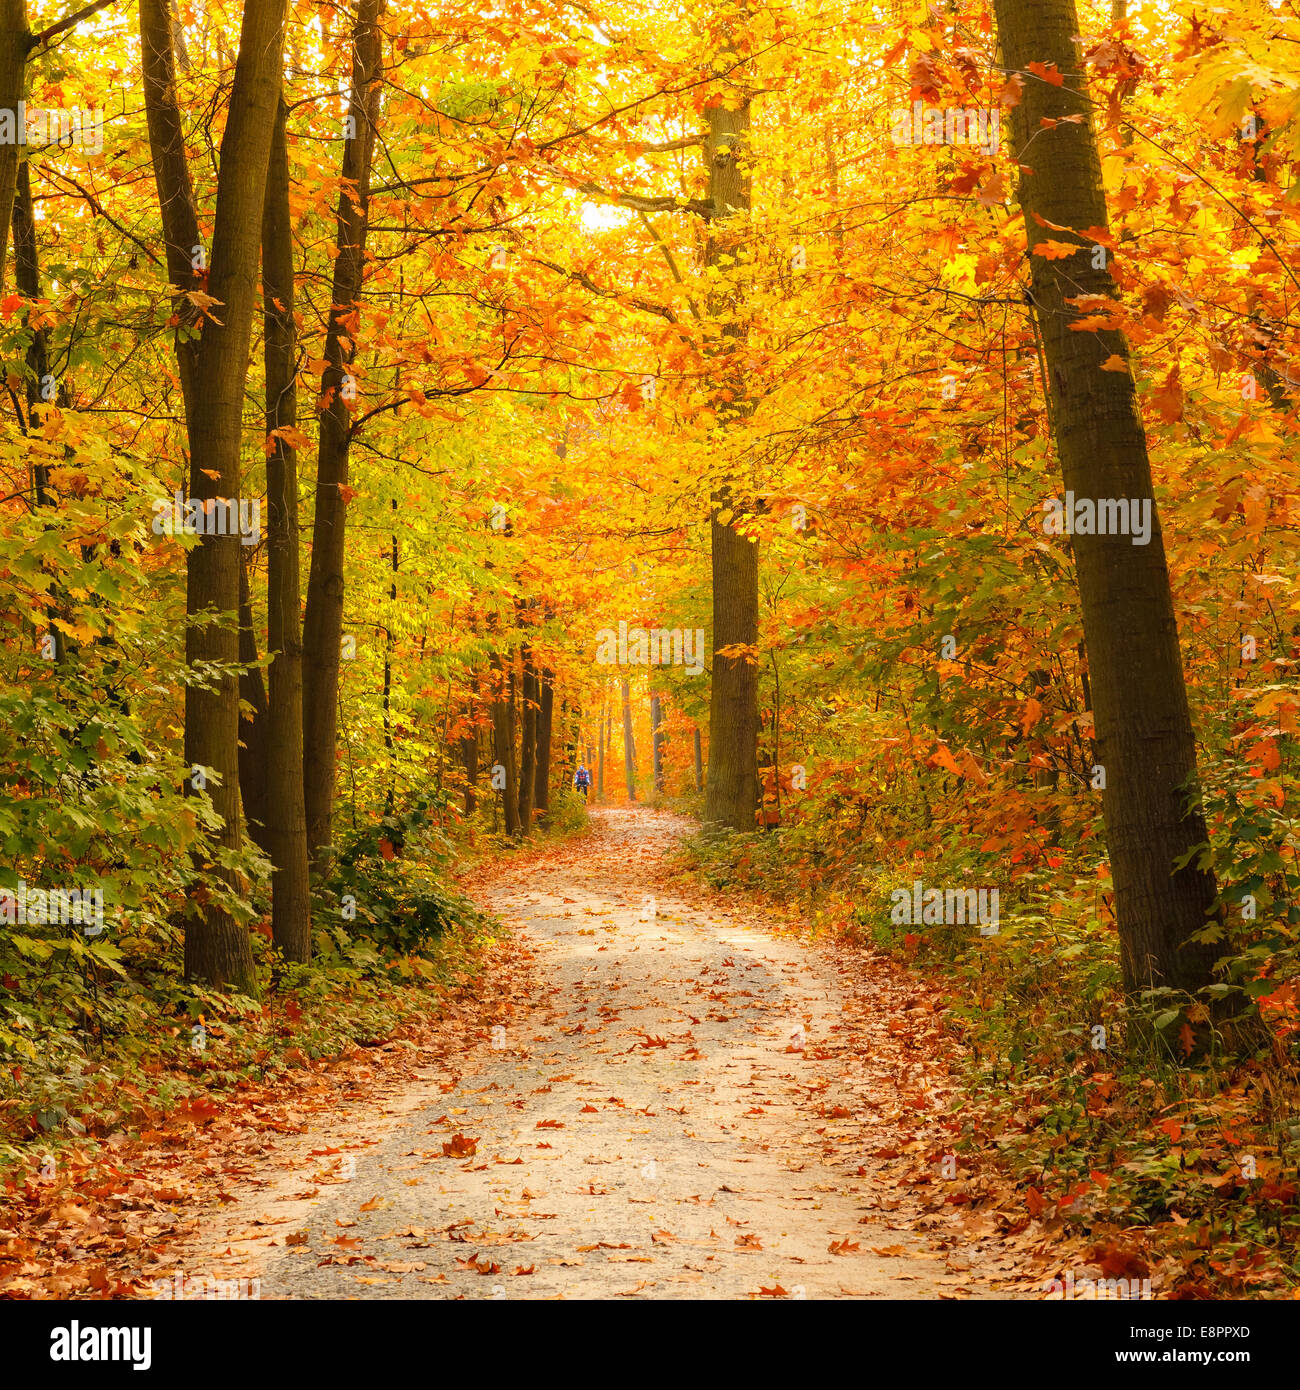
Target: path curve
{"type": "Point", "coordinates": [667, 1109]}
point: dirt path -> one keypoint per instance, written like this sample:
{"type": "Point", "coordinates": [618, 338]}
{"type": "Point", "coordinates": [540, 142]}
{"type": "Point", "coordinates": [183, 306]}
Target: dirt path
{"type": "Point", "coordinates": [683, 1103]}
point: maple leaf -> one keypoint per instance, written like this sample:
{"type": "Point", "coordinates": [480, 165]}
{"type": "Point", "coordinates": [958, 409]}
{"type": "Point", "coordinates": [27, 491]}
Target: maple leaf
{"type": "Point", "coordinates": [1055, 250]}
{"type": "Point", "coordinates": [942, 757]}
{"type": "Point", "coordinates": [1169, 398]}
{"type": "Point", "coordinates": [1047, 71]}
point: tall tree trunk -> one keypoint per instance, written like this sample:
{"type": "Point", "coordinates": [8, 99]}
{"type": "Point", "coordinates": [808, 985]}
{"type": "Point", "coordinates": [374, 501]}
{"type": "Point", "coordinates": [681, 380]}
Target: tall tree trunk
{"type": "Point", "coordinates": [604, 739]}
{"type": "Point", "coordinates": [27, 276]}
{"type": "Point", "coordinates": [629, 747]}
{"type": "Point", "coordinates": [15, 40]}
{"type": "Point", "coordinates": [217, 948]}
{"type": "Point", "coordinates": [503, 743]}
{"type": "Point", "coordinates": [469, 761]}
{"type": "Point", "coordinates": [657, 742]}
{"type": "Point", "coordinates": [323, 619]}
{"type": "Point", "coordinates": [286, 808]}
{"type": "Point", "coordinates": [545, 729]}
{"type": "Point", "coordinates": [699, 761]}
{"type": "Point", "coordinates": [390, 748]}
{"type": "Point", "coordinates": [731, 795]}
{"type": "Point", "coordinates": [180, 223]}
{"type": "Point", "coordinates": [253, 747]}
{"type": "Point", "coordinates": [1143, 726]}
{"type": "Point", "coordinates": [528, 704]}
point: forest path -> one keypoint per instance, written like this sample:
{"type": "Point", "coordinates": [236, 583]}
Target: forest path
{"type": "Point", "coordinates": [679, 1101]}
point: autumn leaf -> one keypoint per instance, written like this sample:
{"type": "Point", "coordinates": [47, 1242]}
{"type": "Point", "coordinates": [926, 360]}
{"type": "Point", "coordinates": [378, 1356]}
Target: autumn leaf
{"type": "Point", "coordinates": [1168, 399]}
{"type": "Point", "coordinates": [1047, 71]}
{"type": "Point", "coordinates": [1055, 250]}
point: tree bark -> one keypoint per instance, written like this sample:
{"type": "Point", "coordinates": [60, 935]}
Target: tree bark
{"type": "Point", "coordinates": [657, 742]}
{"type": "Point", "coordinates": [323, 619]}
{"type": "Point", "coordinates": [253, 747]}
{"type": "Point", "coordinates": [528, 704]}
{"type": "Point", "coordinates": [629, 747]}
{"type": "Point", "coordinates": [217, 948]}
{"type": "Point", "coordinates": [1143, 726]}
{"type": "Point", "coordinates": [731, 794]}
{"type": "Point", "coordinates": [604, 738]}
{"type": "Point", "coordinates": [15, 39]}
{"type": "Point", "coordinates": [699, 761]}
{"type": "Point", "coordinates": [390, 745]}
{"type": "Point", "coordinates": [180, 223]}
{"type": "Point", "coordinates": [286, 810]}
{"type": "Point", "coordinates": [27, 276]}
{"type": "Point", "coordinates": [545, 729]}
{"type": "Point", "coordinates": [469, 760]}
{"type": "Point", "coordinates": [503, 743]}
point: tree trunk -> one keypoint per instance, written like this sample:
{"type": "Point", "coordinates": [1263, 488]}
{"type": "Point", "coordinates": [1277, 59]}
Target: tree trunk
{"type": "Point", "coordinates": [180, 223]}
{"type": "Point", "coordinates": [545, 725]}
{"type": "Point", "coordinates": [699, 761]}
{"type": "Point", "coordinates": [657, 742]}
{"type": "Point", "coordinates": [323, 619]}
{"type": "Point", "coordinates": [503, 744]}
{"type": "Point", "coordinates": [286, 810]}
{"type": "Point", "coordinates": [253, 748]}
{"type": "Point", "coordinates": [629, 747]}
{"type": "Point", "coordinates": [528, 704]}
{"type": "Point", "coordinates": [469, 760]}
{"type": "Point", "coordinates": [1143, 727]}
{"type": "Point", "coordinates": [604, 738]}
{"type": "Point", "coordinates": [731, 795]}
{"type": "Point", "coordinates": [217, 948]}
{"type": "Point", "coordinates": [390, 746]}
{"type": "Point", "coordinates": [15, 38]}
{"type": "Point", "coordinates": [27, 275]}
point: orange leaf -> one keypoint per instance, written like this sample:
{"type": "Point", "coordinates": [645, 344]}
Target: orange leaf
{"type": "Point", "coordinates": [1055, 250]}
{"type": "Point", "coordinates": [1047, 71]}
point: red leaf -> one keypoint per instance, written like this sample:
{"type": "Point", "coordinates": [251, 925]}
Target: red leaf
{"type": "Point", "coordinates": [1047, 71]}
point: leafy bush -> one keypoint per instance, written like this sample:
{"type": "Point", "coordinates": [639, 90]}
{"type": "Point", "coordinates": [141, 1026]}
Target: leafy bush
{"type": "Point", "coordinates": [386, 885]}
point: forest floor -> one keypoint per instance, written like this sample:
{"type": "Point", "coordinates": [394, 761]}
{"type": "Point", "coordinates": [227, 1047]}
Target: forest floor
{"type": "Point", "coordinates": [656, 1092]}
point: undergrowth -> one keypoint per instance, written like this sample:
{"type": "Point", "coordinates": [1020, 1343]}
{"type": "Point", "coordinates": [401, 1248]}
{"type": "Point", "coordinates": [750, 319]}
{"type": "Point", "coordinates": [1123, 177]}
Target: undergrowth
{"type": "Point", "coordinates": [1092, 1104]}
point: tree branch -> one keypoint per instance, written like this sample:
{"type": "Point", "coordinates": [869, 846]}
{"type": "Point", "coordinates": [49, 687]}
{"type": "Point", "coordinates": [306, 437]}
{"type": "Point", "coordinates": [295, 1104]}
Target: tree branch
{"type": "Point", "coordinates": [672, 263]}
{"type": "Point", "coordinates": [645, 305]}
{"type": "Point", "coordinates": [63, 25]}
